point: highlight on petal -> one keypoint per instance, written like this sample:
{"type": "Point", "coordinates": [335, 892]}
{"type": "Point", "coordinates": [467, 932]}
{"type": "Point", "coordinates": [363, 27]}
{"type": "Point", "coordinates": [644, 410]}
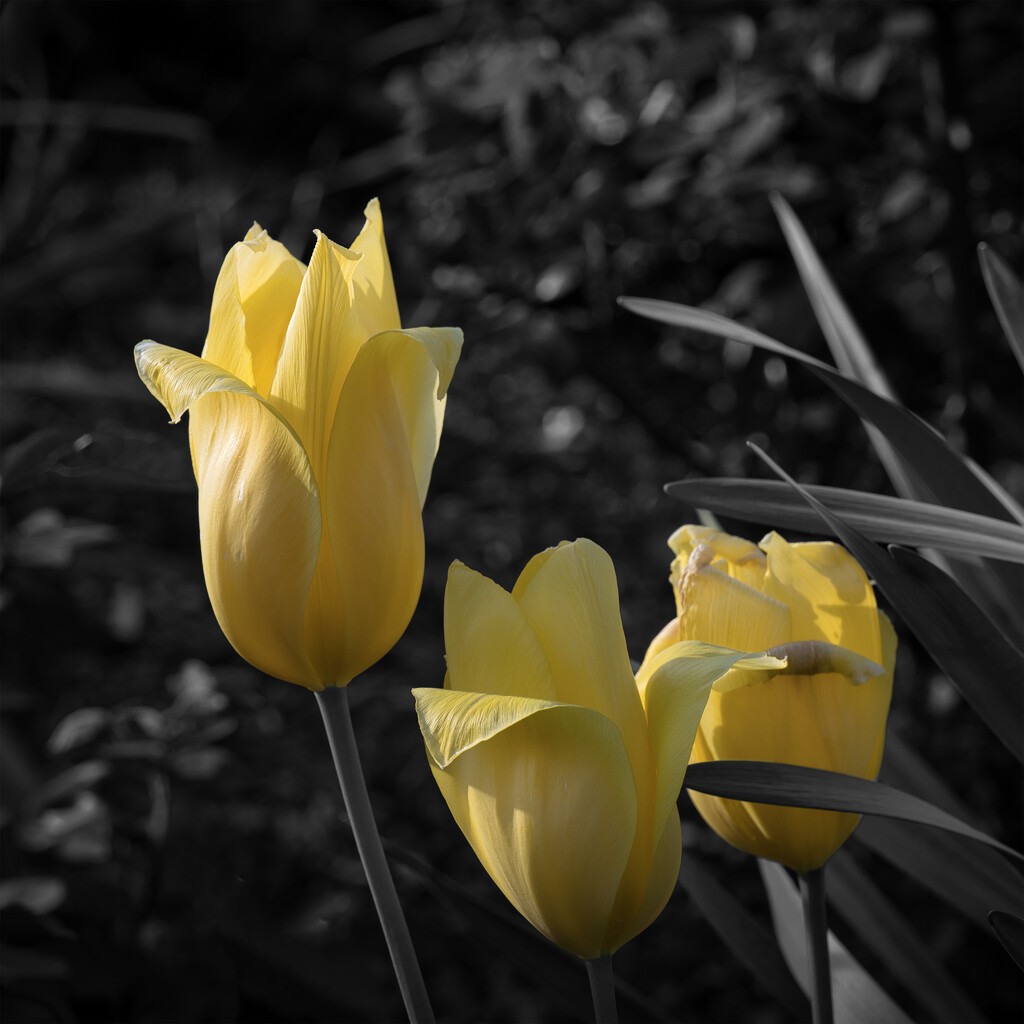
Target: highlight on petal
{"type": "Point", "coordinates": [827, 592]}
{"type": "Point", "coordinates": [453, 722]}
{"type": "Point", "coordinates": [259, 524]}
{"type": "Point", "coordinates": [549, 806]}
{"type": "Point", "coordinates": [253, 301]}
{"type": "Point", "coordinates": [490, 646]}
{"type": "Point", "coordinates": [373, 284]}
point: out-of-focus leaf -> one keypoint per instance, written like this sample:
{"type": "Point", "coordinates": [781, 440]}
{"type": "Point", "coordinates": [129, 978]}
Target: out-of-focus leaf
{"type": "Point", "coordinates": [945, 475]}
{"type": "Point", "coordinates": [856, 997]}
{"type": "Point", "coordinates": [878, 516]}
{"type": "Point", "coordinates": [18, 963]}
{"type": "Point", "coordinates": [78, 728]}
{"type": "Point", "coordinates": [766, 782]}
{"type": "Point", "coordinates": [1007, 295]}
{"type": "Point", "coordinates": [69, 783]}
{"type": "Point", "coordinates": [39, 894]}
{"type": "Point", "coordinates": [1009, 929]}
{"type": "Point", "coordinates": [981, 662]}
{"type": "Point", "coordinates": [967, 876]}
{"type": "Point", "coordinates": [891, 938]}
{"type": "Point", "coordinates": [746, 938]}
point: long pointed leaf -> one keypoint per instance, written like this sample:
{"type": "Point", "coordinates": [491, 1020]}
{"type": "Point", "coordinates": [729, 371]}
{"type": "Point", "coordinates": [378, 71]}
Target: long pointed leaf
{"type": "Point", "coordinates": [1007, 295]}
{"type": "Point", "coordinates": [944, 474]}
{"type": "Point", "coordinates": [1009, 929]}
{"type": "Point", "coordinates": [766, 782]}
{"type": "Point", "coordinates": [891, 938]}
{"type": "Point", "coordinates": [981, 662]}
{"type": "Point", "coordinates": [746, 938]}
{"type": "Point", "coordinates": [845, 341]}
{"type": "Point", "coordinates": [878, 516]}
{"type": "Point", "coordinates": [971, 878]}
{"type": "Point", "coordinates": [857, 998]}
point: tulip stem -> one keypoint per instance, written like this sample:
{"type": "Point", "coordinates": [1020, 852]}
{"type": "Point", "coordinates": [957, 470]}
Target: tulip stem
{"type": "Point", "coordinates": [337, 715]}
{"type": "Point", "coordinates": [812, 895]}
{"type": "Point", "coordinates": [602, 988]}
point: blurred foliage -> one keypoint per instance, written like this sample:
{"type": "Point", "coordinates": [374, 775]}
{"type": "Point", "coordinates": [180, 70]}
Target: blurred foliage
{"type": "Point", "coordinates": [171, 841]}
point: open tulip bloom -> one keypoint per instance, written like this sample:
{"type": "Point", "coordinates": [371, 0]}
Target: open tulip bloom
{"type": "Point", "coordinates": [812, 604]}
{"type": "Point", "coordinates": [827, 711]}
{"type": "Point", "coordinates": [314, 420]}
{"type": "Point", "coordinates": [563, 779]}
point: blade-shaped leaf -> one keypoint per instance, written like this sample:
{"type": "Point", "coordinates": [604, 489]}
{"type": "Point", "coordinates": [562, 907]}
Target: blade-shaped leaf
{"type": "Point", "coordinates": [891, 938]}
{"type": "Point", "coordinates": [878, 516]}
{"type": "Point", "coordinates": [1009, 928]}
{"type": "Point", "coordinates": [1007, 295]}
{"type": "Point", "coordinates": [969, 877]}
{"type": "Point", "coordinates": [766, 782]}
{"type": "Point", "coordinates": [856, 996]}
{"type": "Point", "coordinates": [845, 341]}
{"type": "Point", "coordinates": [745, 937]}
{"type": "Point", "coordinates": [981, 662]}
{"type": "Point", "coordinates": [944, 475]}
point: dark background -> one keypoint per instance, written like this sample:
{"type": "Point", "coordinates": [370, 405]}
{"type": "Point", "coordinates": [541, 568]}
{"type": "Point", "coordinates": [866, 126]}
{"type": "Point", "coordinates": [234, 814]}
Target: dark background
{"type": "Point", "coordinates": [171, 841]}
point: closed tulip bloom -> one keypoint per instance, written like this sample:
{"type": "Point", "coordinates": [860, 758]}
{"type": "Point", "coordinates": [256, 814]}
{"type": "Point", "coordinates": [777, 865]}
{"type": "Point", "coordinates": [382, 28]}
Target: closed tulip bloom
{"type": "Point", "coordinates": [314, 419]}
{"type": "Point", "coordinates": [827, 710]}
{"type": "Point", "coordinates": [561, 777]}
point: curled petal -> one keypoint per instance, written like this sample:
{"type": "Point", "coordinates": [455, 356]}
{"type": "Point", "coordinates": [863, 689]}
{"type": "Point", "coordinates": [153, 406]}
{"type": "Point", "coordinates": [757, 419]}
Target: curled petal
{"type": "Point", "coordinates": [259, 508]}
{"type": "Point", "coordinates": [718, 609]}
{"type": "Point", "coordinates": [545, 796]}
{"type": "Point", "coordinates": [677, 687]}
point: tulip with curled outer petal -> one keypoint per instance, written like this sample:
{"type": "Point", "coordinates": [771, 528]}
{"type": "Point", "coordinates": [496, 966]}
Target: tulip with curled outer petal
{"type": "Point", "coordinates": [561, 777]}
{"type": "Point", "coordinates": [314, 419]}
{"type": "Point", "coordinates": [828, 710]}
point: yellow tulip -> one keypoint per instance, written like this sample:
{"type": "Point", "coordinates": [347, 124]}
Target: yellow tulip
{"type": "Point", "coordinates": [561, 777]}
{"type": "Point", "coordinates": [314, 419]}
{"type": "Point", "coordinates": [827, 710]}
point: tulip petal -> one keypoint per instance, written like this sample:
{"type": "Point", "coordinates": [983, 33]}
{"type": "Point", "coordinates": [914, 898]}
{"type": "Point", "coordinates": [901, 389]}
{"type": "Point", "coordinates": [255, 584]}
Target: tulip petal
{"type": "Point", "coordinates": [677, 686]}
{"type": "Point", "coordinates": [827, 592]}
{"type": "Point", "coordinates": [371, 556]}
{"type": "Point", "coordinates": [718, 609]}
{"type": "Point", "coordinates": [490, 646]}
{"type": "Point", "coordinates": [372, 282]}
{"type": "Point", "coordinates": [259, 508]}
{"type": "Point", "coordinates": [321, 342]}
{"type": "Point", "coordinates": [734, 556]}
{"type": "Point", "coordinates": [253, 300]}
{"type": "Point", "coordinates": [572, 602]}
{"type": "Point", "coordinates": [545, 795]}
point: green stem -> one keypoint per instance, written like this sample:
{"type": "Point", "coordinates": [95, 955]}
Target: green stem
{"type": "Point", "coordinates": [812, 895]}
{"type": "Point", "coordinates": [602, 988]}
{"type": "Point", "coordinates": [337, 716]}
